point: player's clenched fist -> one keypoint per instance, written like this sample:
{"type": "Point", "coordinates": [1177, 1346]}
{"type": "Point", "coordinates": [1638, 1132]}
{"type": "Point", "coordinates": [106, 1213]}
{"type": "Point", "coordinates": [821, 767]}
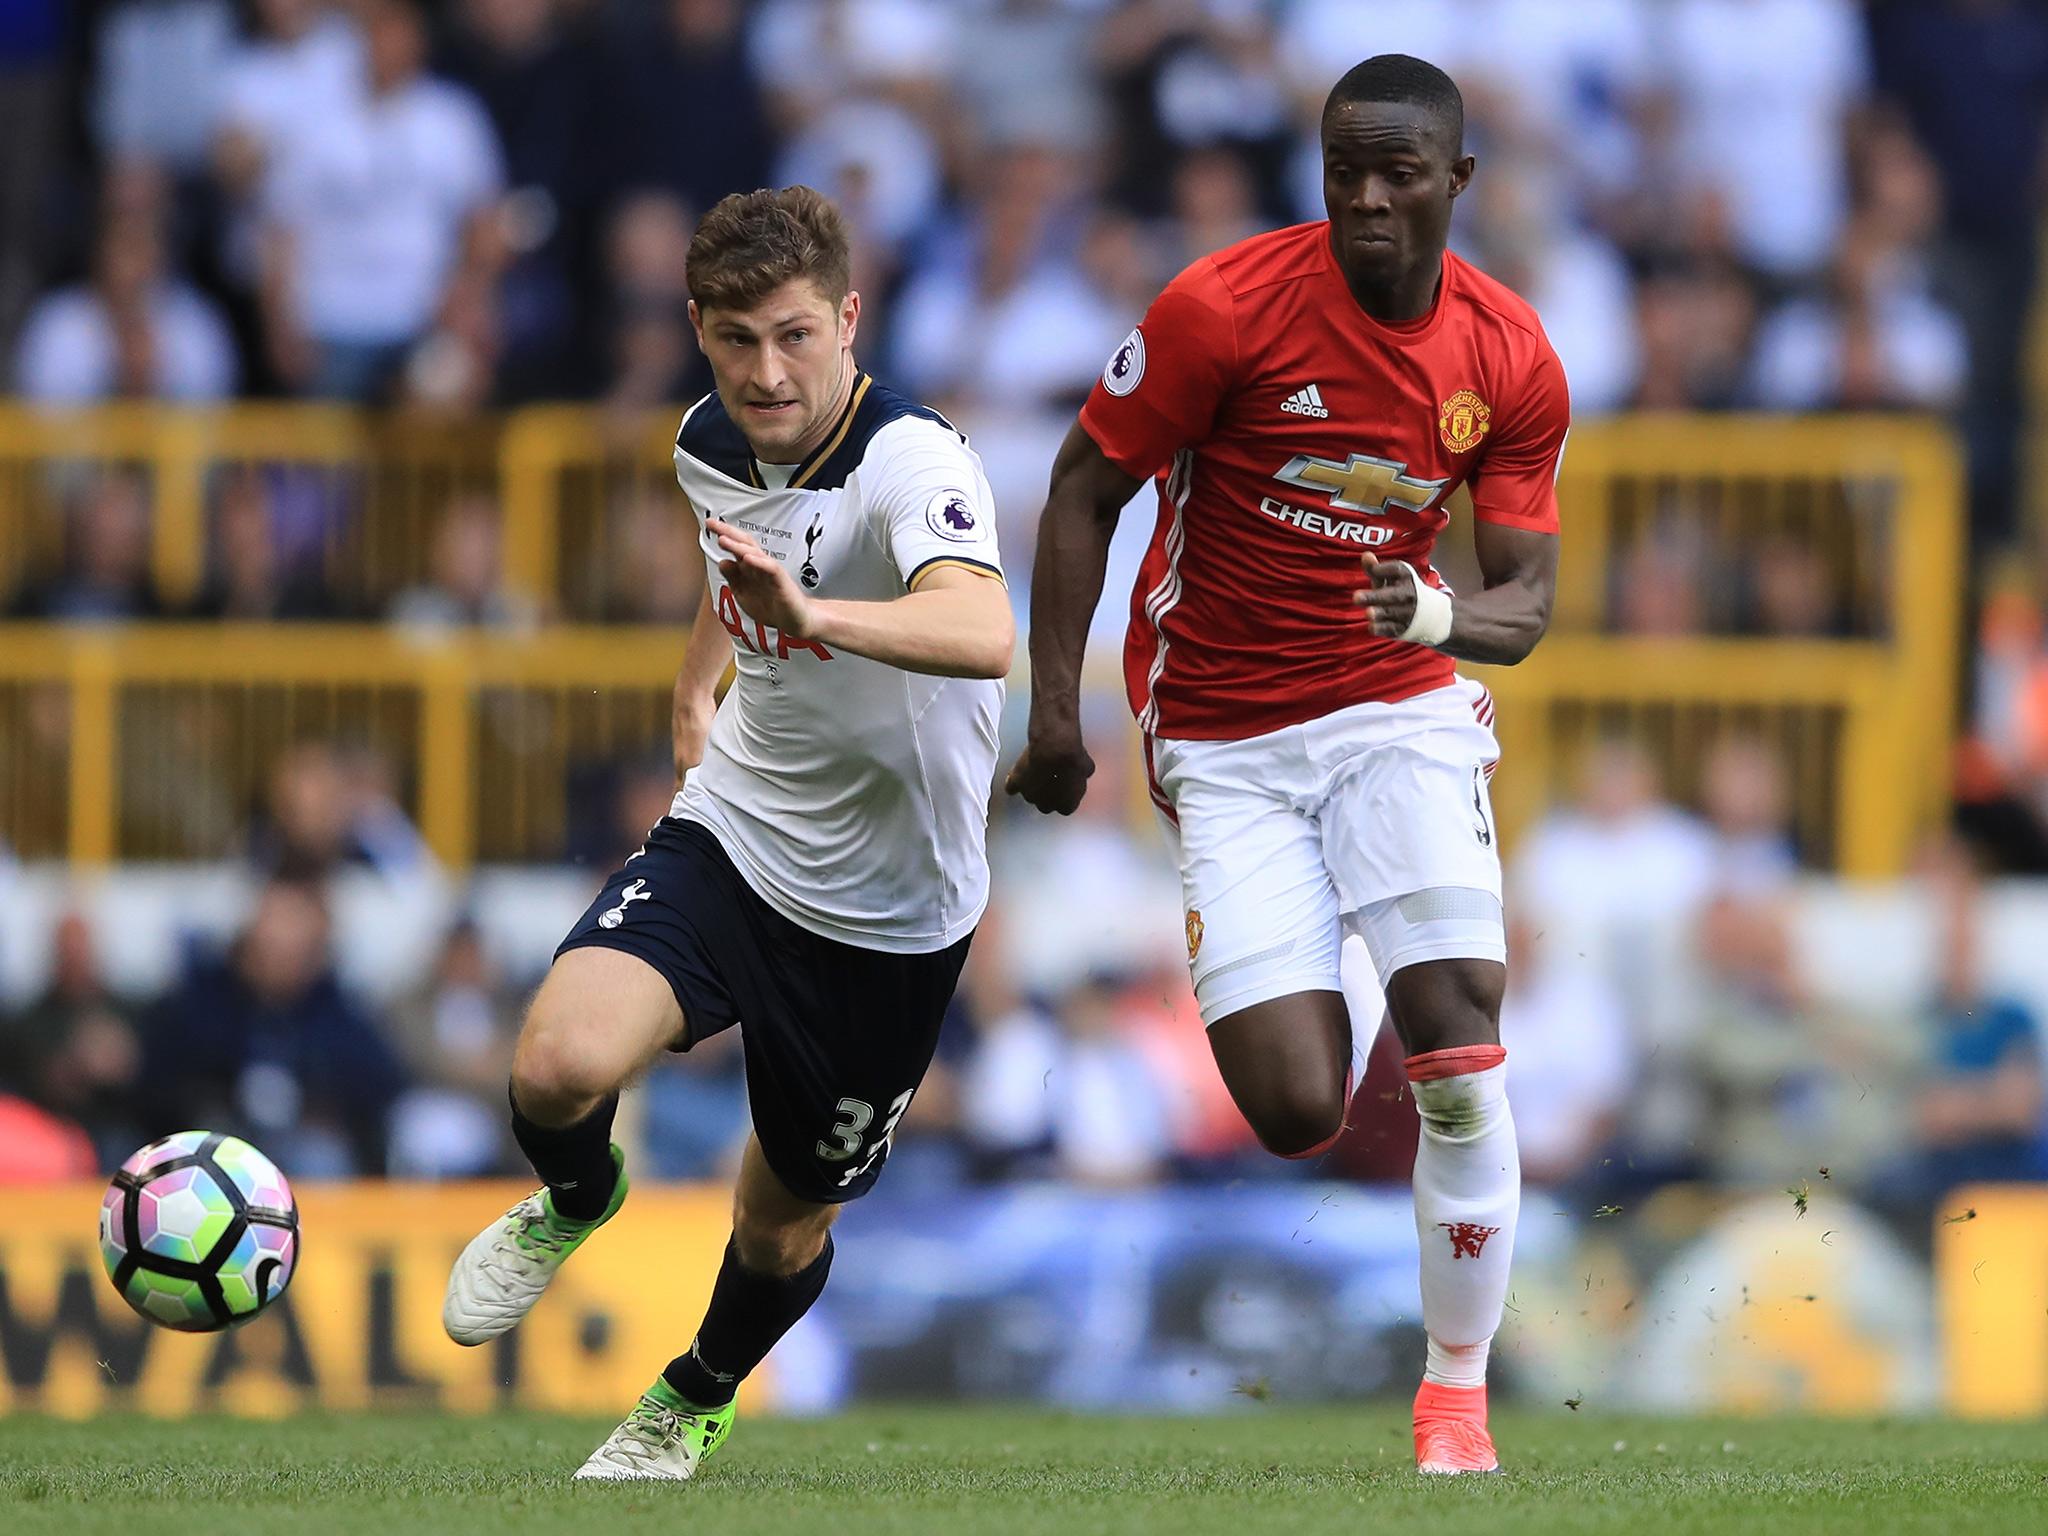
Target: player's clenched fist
{"type": "Point", "coordinates": [1053, 773]}
{"type": "Point", "coordinates": [764, 589]}
{"type": "Point", "coordinates": [1388, 597]}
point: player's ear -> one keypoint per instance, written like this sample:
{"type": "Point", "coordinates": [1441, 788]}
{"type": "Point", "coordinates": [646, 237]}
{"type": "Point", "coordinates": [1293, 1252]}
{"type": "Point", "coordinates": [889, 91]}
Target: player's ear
{"type": "Point", "coordinates": [1461, 173]}
{"type": "Point", "coordinates": [849, 316]}
{"type": "Point", "coordinates": [697, 325]}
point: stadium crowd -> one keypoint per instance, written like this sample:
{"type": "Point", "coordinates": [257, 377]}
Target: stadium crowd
{"type": "Point", "coordinates": [1716, 205]}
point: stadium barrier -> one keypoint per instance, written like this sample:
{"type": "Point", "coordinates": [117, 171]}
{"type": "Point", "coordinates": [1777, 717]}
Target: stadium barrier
{"type": "Point", "coordinates": [153, 742]}
{"type": "Point", "coordinates": [1180, 1299]}
{"type": "Point", "coordinates": [1865, 718]}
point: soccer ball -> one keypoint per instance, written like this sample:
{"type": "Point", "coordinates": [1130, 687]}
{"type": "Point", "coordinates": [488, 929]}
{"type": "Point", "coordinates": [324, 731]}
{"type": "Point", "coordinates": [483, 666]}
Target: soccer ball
{"type": "Point", "coordinates": [199, 1231]}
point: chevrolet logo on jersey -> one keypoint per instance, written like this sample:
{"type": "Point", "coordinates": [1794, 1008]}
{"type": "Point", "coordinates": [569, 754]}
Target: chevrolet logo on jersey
{"type": "Point", "coordinates": [1362, 483]}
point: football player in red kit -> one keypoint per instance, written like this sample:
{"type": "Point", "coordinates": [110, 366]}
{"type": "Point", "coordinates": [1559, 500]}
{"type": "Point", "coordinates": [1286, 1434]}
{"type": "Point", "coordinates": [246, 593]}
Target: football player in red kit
{"type": "Point", "coordinates": [1308, 401]}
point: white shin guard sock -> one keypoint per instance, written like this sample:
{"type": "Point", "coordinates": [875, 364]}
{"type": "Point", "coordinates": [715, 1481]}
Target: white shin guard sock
{"type": "Point", "coordinates": [1468, 1186]}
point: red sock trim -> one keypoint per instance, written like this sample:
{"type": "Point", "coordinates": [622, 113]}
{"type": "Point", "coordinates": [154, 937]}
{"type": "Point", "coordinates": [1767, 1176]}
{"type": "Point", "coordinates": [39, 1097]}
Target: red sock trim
{"type": "Point", "coordinates": [1458, 1061]}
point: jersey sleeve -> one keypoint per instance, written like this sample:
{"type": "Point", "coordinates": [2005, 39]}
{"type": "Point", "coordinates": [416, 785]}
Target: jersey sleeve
{"type": "Point", "coordinates": [1160, 389]}
{"type": "Point", "coordinates": [930, 503]}
{"type": "Point", "coordinates": [1516, 482]}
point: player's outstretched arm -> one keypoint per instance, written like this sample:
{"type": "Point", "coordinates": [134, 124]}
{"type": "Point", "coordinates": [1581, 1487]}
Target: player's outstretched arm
{"type": "Point", "coordinates": [1088, 491]}
{"type": "Point", "coordinates": [1499, 624]}
{"type": "Point", "coordinates": [954, 623]}
{"type": "Point", "coordinates": [696, 692]}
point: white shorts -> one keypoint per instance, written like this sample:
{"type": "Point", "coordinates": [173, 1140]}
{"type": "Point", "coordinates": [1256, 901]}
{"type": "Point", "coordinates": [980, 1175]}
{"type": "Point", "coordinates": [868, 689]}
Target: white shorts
{"type": "Point", "coordinates": [1374, 821]}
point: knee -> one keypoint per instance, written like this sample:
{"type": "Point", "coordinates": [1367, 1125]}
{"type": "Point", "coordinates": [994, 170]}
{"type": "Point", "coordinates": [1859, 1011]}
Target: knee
{"type": "Point", "coordinates": [1297, 1122]}
{"type": "Point", "coordinates": [555, 1082]}
{"type": "Point", "coordinates": [1443, 1005]}
{"type": "Point", "coordinates": [778, 1243]}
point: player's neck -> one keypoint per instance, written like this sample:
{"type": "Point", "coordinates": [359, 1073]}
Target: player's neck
{"type": "Point", "coordinates": [1407, 299]}
{"type": "Point", "coordinates": [828, 419]}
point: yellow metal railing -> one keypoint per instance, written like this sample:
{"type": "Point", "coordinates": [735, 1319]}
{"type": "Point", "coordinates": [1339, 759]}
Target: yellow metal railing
{"type": "Point", "coordinates": [214, 705]}
{"type": "Point", "coordinates": [148, 742]}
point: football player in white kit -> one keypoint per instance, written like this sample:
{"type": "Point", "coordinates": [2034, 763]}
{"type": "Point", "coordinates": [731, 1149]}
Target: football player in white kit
{"type": "Point", "coordinates": [821, 871]}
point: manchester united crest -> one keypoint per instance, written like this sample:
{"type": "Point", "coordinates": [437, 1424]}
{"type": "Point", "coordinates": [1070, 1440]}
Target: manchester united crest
{"type": "Point", "coordinates": [1194, 933]}
{"type": "Point", "coordinates": [1463, 420]}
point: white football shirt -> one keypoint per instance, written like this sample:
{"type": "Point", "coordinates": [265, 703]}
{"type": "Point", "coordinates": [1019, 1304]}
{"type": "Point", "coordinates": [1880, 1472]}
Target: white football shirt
{"type": "Point", "coordinates": [852, 796]}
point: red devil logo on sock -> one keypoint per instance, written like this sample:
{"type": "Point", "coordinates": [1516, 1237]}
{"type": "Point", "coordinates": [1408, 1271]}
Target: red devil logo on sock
{"type": "Point", "coordinates": [1467, 1237]}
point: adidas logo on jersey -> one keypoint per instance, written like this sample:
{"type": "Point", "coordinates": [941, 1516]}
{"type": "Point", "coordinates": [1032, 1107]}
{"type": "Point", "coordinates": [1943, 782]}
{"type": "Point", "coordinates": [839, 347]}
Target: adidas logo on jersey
{"type": "Point", "coordinates": [1306, 402]}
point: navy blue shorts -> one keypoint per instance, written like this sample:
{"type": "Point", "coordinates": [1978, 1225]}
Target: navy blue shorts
{"type": "Point", "coordinates": [836, 1037]}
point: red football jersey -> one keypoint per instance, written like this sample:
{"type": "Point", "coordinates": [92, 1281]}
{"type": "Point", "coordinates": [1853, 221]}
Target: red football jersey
{"type": "Point", "coordinates": [1290, 433]}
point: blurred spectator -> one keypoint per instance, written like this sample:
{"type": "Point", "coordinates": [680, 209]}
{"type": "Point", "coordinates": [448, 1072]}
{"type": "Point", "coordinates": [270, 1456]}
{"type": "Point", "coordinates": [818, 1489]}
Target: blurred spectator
{"type": "Point", "coordinates": [686, 113]}
{"type": "Point", "coordinates": [1111, 1122]}
{"type": "Point", "coordinates": [696, 1117]}
{"type": "Point", "coordinates": [1615, 880]}
{"type": "Point", "coordinates": [651, 570]}
{"type": "Point", "coordinates": [1017, 81]}
{"type": "Point", "coordinates": [1747, 804]}
{"type": "Point", "coordinates": [1656, 584]}
{"type": "Point", "coordinates": [106, 574]}
{"type": "Point", "coordinates": [375, 216]}
{"type": "Point", "coordinates": [1214, 205]}
{"type": "Point", "coordinates": [648, 358]}
{"type": "Point", "coordinates": [32, 37]}
{"type": "Point", "coordinates": [136, 330]}
{"type": "Point", "coordinates": [1972, 76]}
{"type": "Point", "coordinates": [247, 579]}
{"type": "Point", "coordinates": [1980, 1111]}
{"type": "Point", "coordinates": [73, 1051]}
{"type": "Point", "coordinates": [536, 74]}
{"type": "Point", "coordinates": [1517, 227]}
{"type": "Point", "coordinates": [159, 78]}
{"type": "Point", "coordinates": [466, 585]}
{"type": "Point", "coordinates": [455, 1033]}
{"type": "Point", "coordinates": [266, 1042]}
{"type": "Point", "coordinates": [999, 312]}
{"type": "Point", "coordinates": [302, 62]}
{"type": "Point", "coordinates": [1696, 315]}
{"type": "Point", "coordinates": [1785, 589]}
{"type": "Point", "coordinates": [612, 803]}
{"type": "Point", "coordinates": [1007, 1076]}
{"type": "Point", "coordinates": [1775, 1079]}
{"type": "Point", "coordinates": [1733, 66]}
{"type": "Point", "coordinates": [329, 807]}
{"type": "Point", "coordinates": [809, 53]}
{"type": "Point", "coordinates": [2002, 767]}
{"type": "Point", "coordinates": [1574, 1059]}
{"type": "Point", "coordinates": [1876, 338]}
{"type": "Point", "coordinates": [1187, 79]}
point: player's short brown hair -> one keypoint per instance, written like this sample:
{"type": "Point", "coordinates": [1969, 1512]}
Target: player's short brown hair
{"type": "Point", "coordinates": [751, 243]}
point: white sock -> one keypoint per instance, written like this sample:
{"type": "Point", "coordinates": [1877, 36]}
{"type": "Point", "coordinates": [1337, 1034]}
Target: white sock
{"type": "Point", "coordinates": [1468, 1185]}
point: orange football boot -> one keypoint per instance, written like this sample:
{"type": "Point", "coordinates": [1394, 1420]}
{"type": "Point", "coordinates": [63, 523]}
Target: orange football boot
{"type": "Point", "coordinates": [1450, 1431]}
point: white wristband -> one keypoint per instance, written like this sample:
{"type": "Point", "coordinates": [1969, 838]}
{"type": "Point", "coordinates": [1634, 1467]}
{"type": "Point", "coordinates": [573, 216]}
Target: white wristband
{"type": "Point", "coordinates": [1432, 622]}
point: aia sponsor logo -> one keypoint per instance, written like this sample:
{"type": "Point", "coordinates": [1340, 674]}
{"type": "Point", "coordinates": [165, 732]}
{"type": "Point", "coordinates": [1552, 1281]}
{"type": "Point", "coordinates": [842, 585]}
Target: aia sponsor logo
{"type": "Point", "coordinates": [1467, 1237]}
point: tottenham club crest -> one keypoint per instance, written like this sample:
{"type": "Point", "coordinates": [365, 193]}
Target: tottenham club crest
{"type": "Point", "coordinates": [1126, 365]}
{"type": "Point", "coordinates": [807, 573]}
{"type": "Point", "coordinates": [952, 516]}
{"type": "Point", "coordinates": [611, 917]}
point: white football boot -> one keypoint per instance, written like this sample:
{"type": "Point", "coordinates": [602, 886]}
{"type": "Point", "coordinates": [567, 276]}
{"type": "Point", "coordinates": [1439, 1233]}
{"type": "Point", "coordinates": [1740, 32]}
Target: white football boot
{"type": "Point", "coordinates": [507, 1265]}
{"type": "Point", "coordinates": [664, 1439]}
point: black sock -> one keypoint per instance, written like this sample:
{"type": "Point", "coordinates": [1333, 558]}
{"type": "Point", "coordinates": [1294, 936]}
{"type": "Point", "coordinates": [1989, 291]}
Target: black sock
{"type": "Point", "coordinates": [748, 1313]}
{"type": "Point", "coordinates": [574, 1161]}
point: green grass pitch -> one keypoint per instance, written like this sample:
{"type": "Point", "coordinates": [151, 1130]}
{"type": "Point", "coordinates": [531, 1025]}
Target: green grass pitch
{"type": "Point", "coordinates": [887, 1470]}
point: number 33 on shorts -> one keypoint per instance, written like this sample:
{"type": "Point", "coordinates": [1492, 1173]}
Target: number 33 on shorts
{"type": "Point", "coordinates": [855, 1116]}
